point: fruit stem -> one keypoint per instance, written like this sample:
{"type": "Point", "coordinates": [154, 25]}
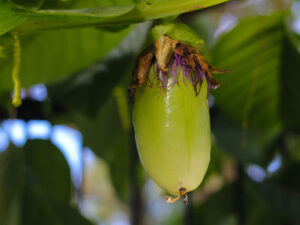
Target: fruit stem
{"type": "Point", "coordinates": [185, 199]}
{"type": "Point", "coordinates": [182, 191]}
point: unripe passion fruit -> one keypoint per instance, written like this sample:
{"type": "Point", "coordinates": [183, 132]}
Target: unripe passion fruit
{"type": "Point", "coordinates": [171, 116]}
{"type": "Point", "coordinates": [172, 129]}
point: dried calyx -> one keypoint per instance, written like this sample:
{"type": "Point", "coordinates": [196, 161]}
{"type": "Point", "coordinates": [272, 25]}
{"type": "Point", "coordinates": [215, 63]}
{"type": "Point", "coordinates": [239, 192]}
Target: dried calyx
{"type": "Point", "coordinates": [182, 192]}
{"type": "Point", "coordinates": [169, 56]}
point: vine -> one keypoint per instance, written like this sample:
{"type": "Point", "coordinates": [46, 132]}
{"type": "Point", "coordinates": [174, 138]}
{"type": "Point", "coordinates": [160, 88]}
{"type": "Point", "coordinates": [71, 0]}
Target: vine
{"type": "Point", "coordinates": [16, 71]}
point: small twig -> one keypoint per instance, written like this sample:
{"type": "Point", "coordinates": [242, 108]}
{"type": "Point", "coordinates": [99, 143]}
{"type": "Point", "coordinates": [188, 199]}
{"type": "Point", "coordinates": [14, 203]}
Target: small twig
{"type": "Point", "coordinates": [136, 202]}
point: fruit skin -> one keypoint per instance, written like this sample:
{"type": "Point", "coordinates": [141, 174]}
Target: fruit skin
{"type": "Point", "coordinates": [172, 129]}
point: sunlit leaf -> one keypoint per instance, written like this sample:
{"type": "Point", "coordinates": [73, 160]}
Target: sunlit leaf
{"type": "Point", "coordinates": [252, 55]}
{"type": "Point", "coordinates": [259, 91]}
{"type": "Point", "coordinates": [8, 18]}
{"type": "Point", "coordinates": [88, 89]}
{"type": "Point", "coordinates": [75, 15]}
{"type": "Point", "coordinates": [41, 20]}
{"type": "Point", "coordinates": [177, 31]}
{"type": "Point", "coordinates": [56, 54]}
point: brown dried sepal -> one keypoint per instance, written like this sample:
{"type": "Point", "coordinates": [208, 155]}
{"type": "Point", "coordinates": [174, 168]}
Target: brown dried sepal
{"type": "Point", "coordinates": [163, 50]}
{"type": "Point", "coordinates": [192, 57]}
{"type": "Point", "coordinates": [182, 192]}
{"type": "Point", "coordinates": [141, 69]}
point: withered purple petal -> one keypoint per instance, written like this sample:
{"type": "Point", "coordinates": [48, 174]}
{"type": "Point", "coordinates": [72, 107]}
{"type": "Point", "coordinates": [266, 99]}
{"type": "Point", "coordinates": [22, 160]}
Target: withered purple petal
{"type": "Point", "coordinates": [177, 63]}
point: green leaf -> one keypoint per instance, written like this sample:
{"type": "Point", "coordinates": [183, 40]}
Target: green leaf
{"type": "Point", "coordinates": [252, 55]}
{"type": "Point", "coordinates": [74, 15]}
{"type": "Point", "coordinates": [96, 3]}
{"type": "Point", "coordinates": [262, 213]}
{"type": "Point", "coordinates": [216, 209]}
{"type": "Point", "coordinates": [35, 187]}
{"type": "Point", "coordinates": [12, 184]}
{"type": "Point", "coordinates": [40, 156]}
{"type": "Point", "coordinates": [177, 31]}
{"type": "Point", "coordinates": [247, 146]}
{"type": "Point", "coordinates": [284, 201]}
{"type": "Point", "coordinates": [70, 215]}
{"type": "Point", "coordinates": [290, 82]}
{"type": "Point", "coordinates": [52, 55]}
{"type": "Point", "coordinates": [260, 89]}
{"type": "Point", "coordinates": [257, 209]}
{"type": "Point", "coordinates": [259, 93]}
{"type": "Point", "coordinates": [88, 90]}
{"type": "Point", "coordinates": [40, 209]}
{"type": "Point", "coordinates": [8, 18]}
{"type": "Point", "coordinates": [43, 20]}
{"type": "Point", "coordinates": [293, 145]}
{"type": "Point", "coordinates": [105, 135]}
{"type": "Point", "coordinates": [102, 117]}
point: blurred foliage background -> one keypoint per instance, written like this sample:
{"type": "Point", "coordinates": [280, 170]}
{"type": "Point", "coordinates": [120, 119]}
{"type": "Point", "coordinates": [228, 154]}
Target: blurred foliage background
{"type": "Point", "coordinates": [68, 154]}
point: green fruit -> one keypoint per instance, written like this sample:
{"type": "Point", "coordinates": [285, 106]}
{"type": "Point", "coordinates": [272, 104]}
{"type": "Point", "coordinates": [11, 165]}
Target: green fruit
{"type": "Point", "coordinates": [172, 129]}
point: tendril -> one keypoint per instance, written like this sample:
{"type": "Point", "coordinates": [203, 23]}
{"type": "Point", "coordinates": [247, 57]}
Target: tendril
{"type": "Point", "coordinates": [16, 71]}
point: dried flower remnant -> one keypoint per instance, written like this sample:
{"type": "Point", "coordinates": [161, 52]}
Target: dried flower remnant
{"type": "Point", "coordinates": [170, 56]}
{"type": "Point", "coordinates": [172, 127]}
